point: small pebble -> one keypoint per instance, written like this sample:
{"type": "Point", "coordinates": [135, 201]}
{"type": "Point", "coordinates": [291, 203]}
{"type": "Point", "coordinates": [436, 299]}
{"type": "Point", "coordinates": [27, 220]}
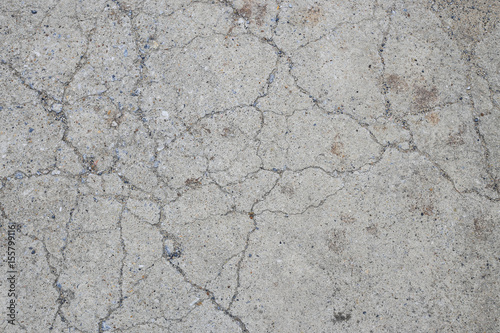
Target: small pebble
{"type": "Point", "coordinates": [57, 107]}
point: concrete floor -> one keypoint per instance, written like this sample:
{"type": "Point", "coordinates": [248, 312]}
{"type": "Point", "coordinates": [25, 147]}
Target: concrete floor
{"type": "Point", "coordinates": [249, 166]}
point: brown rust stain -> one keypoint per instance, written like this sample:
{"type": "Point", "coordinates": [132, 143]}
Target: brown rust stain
{"type": "Point", "coordinates": [193, 182]}
{"type": "Point", "coordinates": [424, 98]}
{"type": "Point", "coordinates": [228, 132]}
{"type": "Point", "coordinates": [246, 10]}
{"type": "Point", "coordinates": [423, 204]}
{"type": "Point", "coordinates": [432, 118]}
{"type": "Point", "coordinates": [260, 13]}
{"type": "Point", "coordinates": [253, 11]}
{"type": "Point", "coordinates": [307, 16]}
{"type": "Point", "coordinates": [110, 114]}
{"type": "Point", "coordinates": [313, 16]}
{"type": "Point", "coordinates": [396, 83]}
{"type": "Point", "coordinates": [115, 15]}
{"type": "Point", "coordinates": [456, 139]}
{"type": "Point", "coordinates": [337, 147]}
{"type": "Point", "coordinates": [428, 210]}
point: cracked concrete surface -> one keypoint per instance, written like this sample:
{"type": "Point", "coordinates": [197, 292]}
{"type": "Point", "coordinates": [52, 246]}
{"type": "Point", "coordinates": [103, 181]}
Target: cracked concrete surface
{"type": "Point", "coordinates": [250, 165]}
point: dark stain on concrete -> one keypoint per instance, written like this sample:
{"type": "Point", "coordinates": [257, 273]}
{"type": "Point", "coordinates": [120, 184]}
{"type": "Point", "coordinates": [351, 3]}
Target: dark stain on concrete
{"type": "Point", "coordinates": [336, 241]}
{"type": "Point", "coordinates": [396, 83]}
{"type": "Point", "coordinates": [456, 139]}
{"type": "Point", "coordinates": [340, 316]}
{"type": "Point", "coordinates": [483, 227]}
{"type": "Point", "coordinates": [253, 12]}
{"type": "Point", "coordinates": [424, 98]}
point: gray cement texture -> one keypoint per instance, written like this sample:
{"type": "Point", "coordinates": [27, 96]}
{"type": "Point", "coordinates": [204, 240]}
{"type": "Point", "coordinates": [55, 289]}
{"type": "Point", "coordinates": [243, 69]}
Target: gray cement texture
{"type": "Point", "coordinates": [249, 166]}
